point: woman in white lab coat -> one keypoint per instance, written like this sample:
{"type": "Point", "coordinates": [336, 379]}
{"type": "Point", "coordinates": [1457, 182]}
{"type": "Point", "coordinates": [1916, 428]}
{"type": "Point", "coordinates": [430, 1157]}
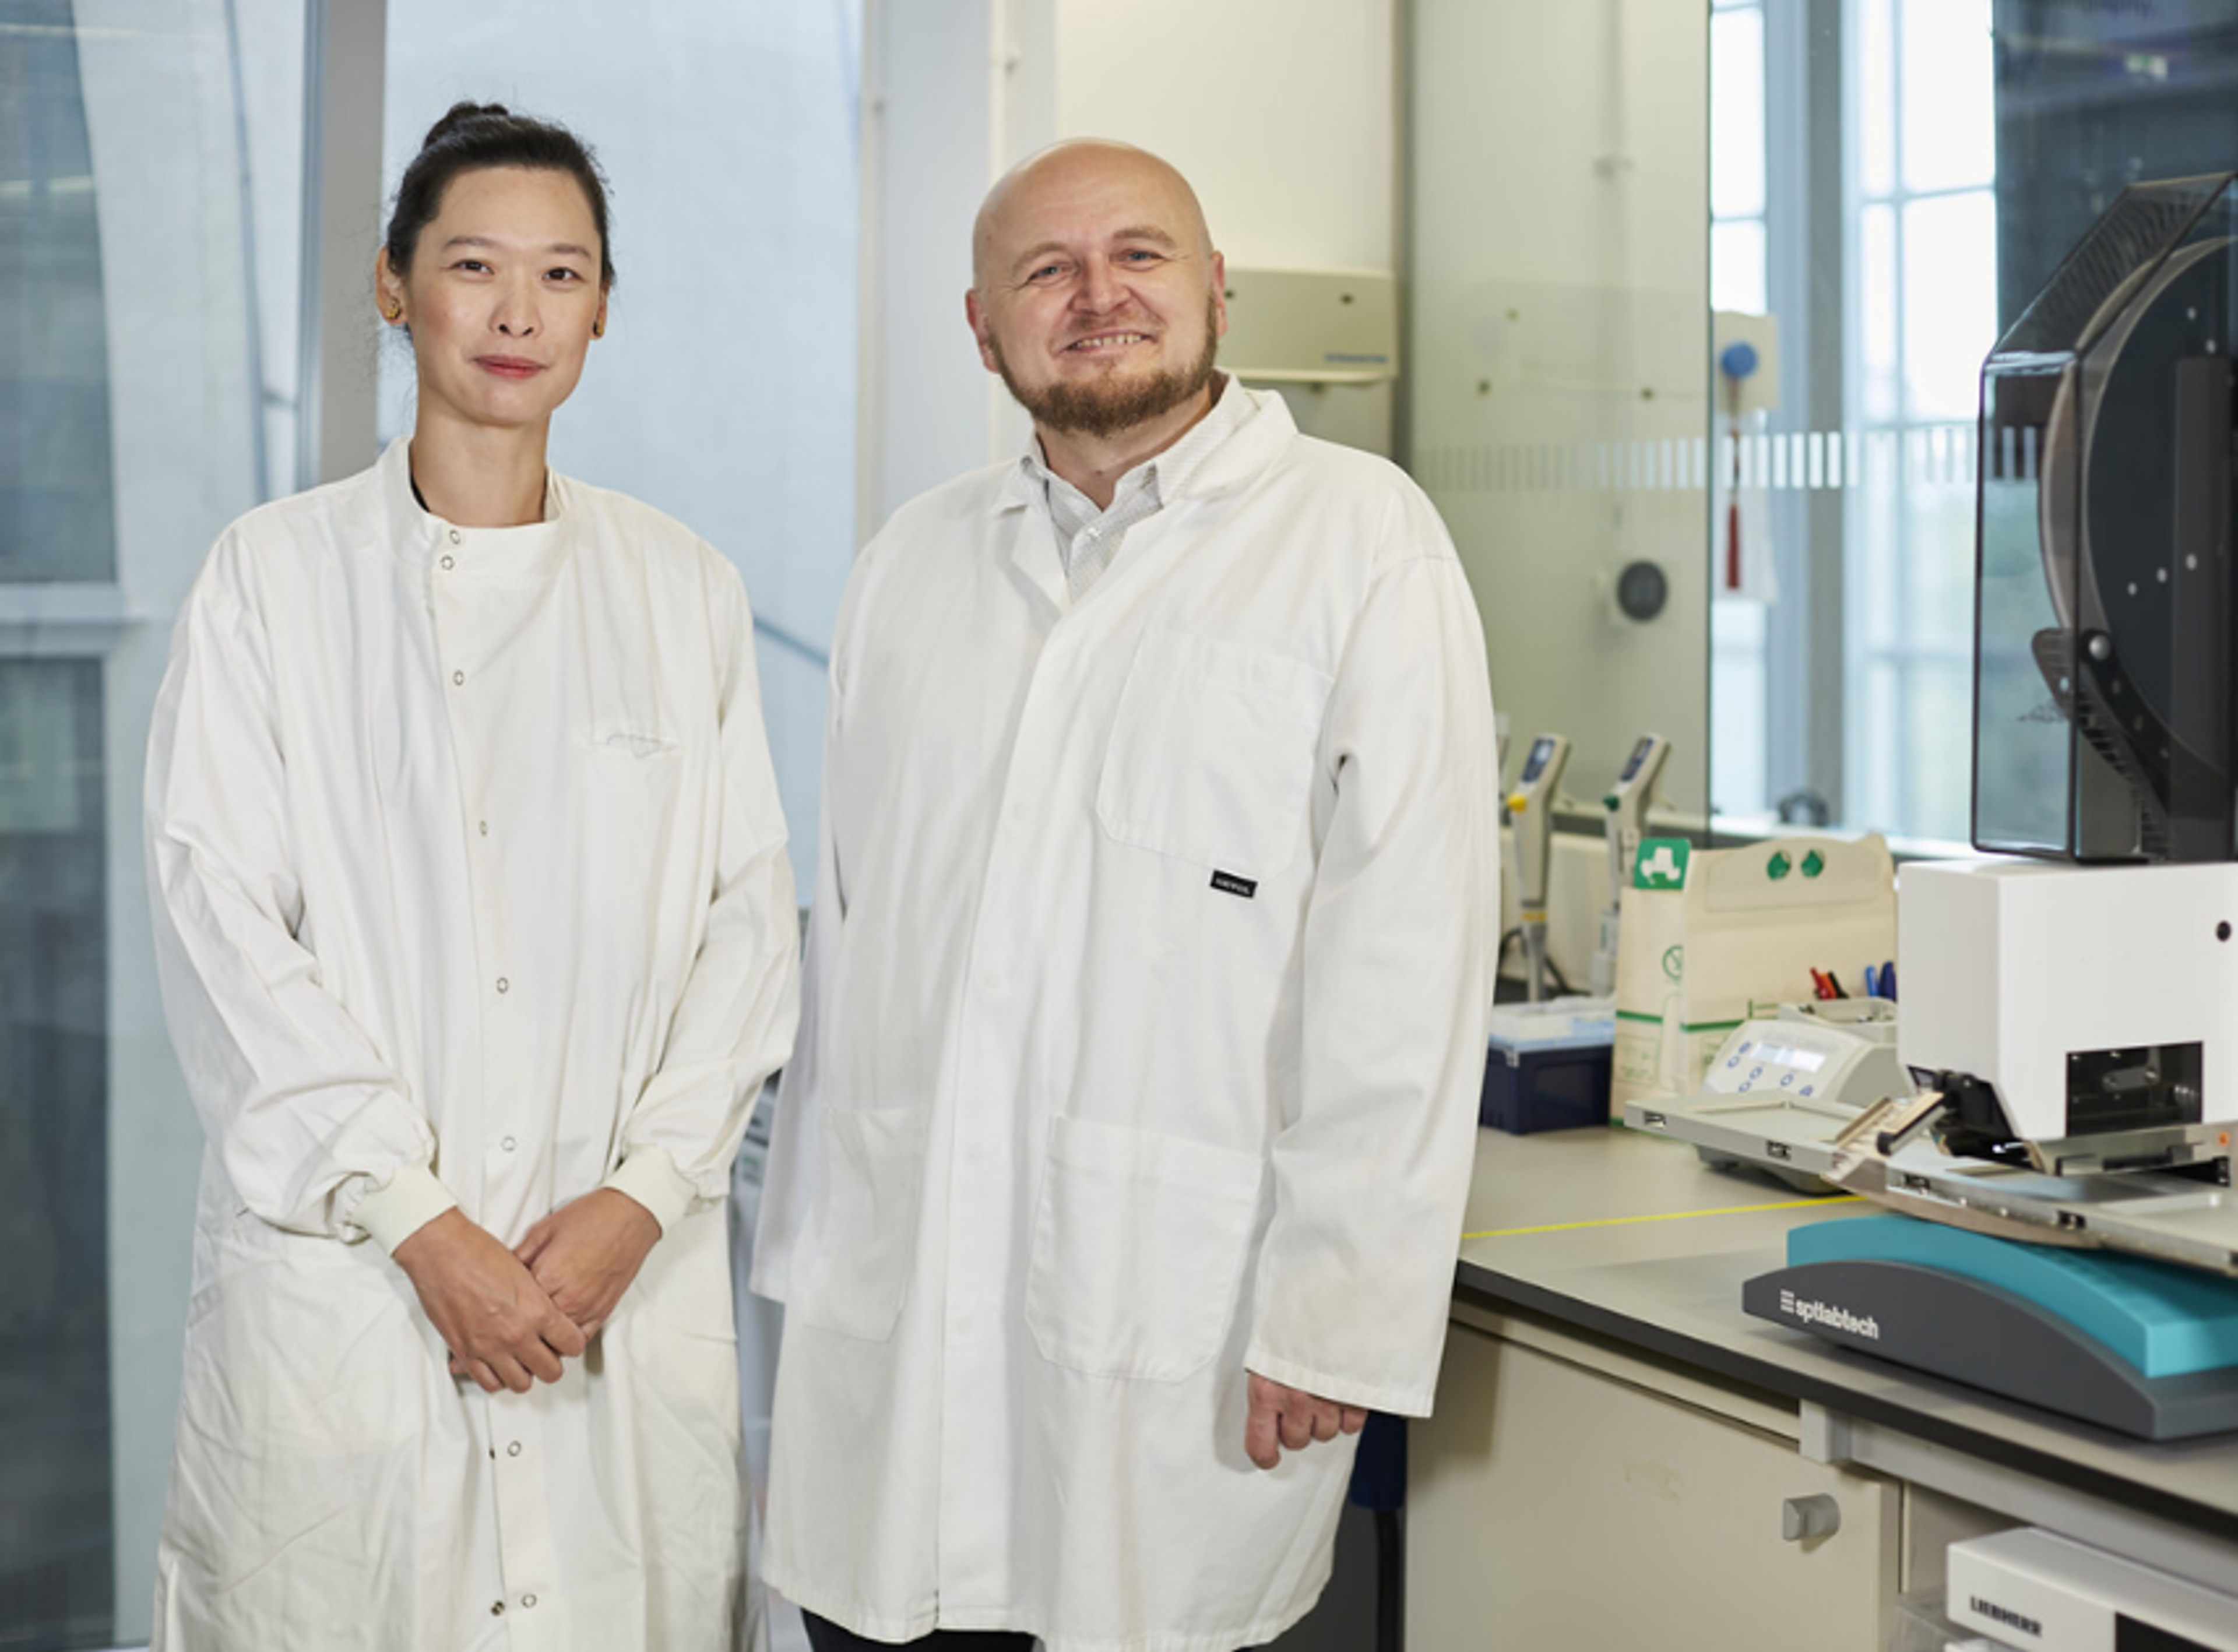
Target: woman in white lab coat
{"type": "Point", "coordinates": [476, 934]}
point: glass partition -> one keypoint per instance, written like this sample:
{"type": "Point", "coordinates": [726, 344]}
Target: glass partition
{"type": "Point", "coordinates": [1558, 198]}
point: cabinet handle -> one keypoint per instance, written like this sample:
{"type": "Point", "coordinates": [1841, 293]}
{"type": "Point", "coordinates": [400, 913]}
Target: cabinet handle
{"type": "Point", "coordinates": [1802, 1519]}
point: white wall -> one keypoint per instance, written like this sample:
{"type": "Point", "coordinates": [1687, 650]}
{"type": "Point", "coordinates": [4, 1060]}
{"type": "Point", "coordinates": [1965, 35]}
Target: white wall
{"type": "Point", "coordinates": [1279, 112]}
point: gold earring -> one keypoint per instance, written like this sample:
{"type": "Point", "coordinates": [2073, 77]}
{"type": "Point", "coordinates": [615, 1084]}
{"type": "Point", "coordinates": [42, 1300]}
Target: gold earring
{"type": "Point", "coordinates": [394, 311]}
{"type": "Point", "coordinates": [598, 329]}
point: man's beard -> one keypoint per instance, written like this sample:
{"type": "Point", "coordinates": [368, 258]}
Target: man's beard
{"type": "Point", "coordinates": [1108, 407]}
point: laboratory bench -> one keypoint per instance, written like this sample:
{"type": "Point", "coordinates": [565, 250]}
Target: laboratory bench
{"type": "Point", "coordinates": [1620, 1455]}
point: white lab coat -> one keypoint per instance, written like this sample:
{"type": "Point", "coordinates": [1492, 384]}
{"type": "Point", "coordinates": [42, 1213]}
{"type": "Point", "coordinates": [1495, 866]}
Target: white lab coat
{"type": "Point", "coordinates": [1074, 1134]}
{"type": "Point", "coordinates": [469, 883]}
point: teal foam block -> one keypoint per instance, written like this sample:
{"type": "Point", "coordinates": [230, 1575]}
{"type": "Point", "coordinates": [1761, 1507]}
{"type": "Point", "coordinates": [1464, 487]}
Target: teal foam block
{"type": "Point", "coordinates": [2163, 1320]}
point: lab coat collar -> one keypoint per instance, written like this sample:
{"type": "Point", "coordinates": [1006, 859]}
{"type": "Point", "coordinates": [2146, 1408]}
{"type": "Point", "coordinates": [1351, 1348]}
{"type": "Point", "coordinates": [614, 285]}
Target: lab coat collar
{"type": "Point", "coordinates": [1258, 439]}
{"type": "Point", "coordinates": [532, 552]}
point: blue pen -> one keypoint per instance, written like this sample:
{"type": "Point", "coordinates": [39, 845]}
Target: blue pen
{"type": "Point", "coordinates": [1888, 980]}
{"type": "Point", "coordinates": [1872, 981]}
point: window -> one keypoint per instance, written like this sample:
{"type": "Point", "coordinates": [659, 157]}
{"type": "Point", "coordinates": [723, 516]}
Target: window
{"type": "Point", "coordinates": [150, 187]}
{"type": "Point", "coordinates": [1737, 158]}
{"type": "Point", "coordinates": [1923, 314]}
{"type": "Point", "coordinates": [1841, 687]}
{"type": "Point", "coordinates": [1739, 280]}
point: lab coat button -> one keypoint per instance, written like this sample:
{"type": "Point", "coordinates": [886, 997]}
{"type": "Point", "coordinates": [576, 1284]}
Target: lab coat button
{"type": "Point", "coordinates": [458, 677]}
{"type": "Point", "coordinates": [457, 538]}
{"type": "Point", "coordinates": [497, 1609]}
{"type": "Point", "coordinates": [503, 985]}
{"type": "Point", "coordinates": [514, 1450]}
{"type": "Point", "coordinates": [528, 1600]}
{"type": "Point", "coordinates": [509, 1144]}
{"type": "Point", "coordinates": [449, 563]}
{"type": "Point", "coordinates": [482, 826]}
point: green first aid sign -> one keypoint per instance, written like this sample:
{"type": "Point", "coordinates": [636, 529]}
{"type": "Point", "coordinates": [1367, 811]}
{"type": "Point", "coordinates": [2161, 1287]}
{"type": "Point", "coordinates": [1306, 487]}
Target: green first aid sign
{"type": "Point", "coordinates": [1660, 864]}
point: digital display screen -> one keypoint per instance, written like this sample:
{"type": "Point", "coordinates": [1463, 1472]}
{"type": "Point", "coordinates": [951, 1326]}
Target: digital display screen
{"type": "Point", "coordinates": [1632, 764]}
{"type": "Point", "coordinates": [1535, 764]}
{"type": "Point", "coordinates": [1787, 1055]}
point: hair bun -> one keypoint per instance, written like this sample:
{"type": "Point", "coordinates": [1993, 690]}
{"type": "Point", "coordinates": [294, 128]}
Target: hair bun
{"type": "Point", "coordinates": [463, 114]}
{"type": "Point", "coordinates": [471, 136]}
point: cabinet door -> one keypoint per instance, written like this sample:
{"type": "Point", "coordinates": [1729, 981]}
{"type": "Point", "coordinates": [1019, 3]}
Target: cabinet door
{"type": "Point", "coordinates": [1552, 1507]}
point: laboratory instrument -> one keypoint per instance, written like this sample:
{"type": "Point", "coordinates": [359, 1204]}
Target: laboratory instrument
{"type": "Point", "coordinates": [1531, 827]}
{"type": "Point", "coordinates": [2032, 1588]}
{"type": "Point", "coordinates": [2128, 1343]}
{"type": "Point", "coordinates": [2070, 1017]}
{"type": "Point", "coordinates": [1781, 1089]}
{"type": "Point", "coordinates": [2078, 1011]}
{"type": "Point", "coordinates": [1626, 803]}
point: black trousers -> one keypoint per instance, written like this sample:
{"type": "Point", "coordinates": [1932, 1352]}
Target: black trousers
{"type": "Point", "coordinates": [827, 1636]}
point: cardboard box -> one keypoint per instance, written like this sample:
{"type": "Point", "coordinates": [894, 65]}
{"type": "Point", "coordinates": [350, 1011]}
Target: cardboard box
{"type": "Point", "coordinates": [1710, 937]}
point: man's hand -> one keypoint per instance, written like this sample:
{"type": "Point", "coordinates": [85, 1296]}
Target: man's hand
{"type": "Point", "coordinates": [586, 1254]}
{"type": "Point", "coordinates": [498, 1322]}
{"type": "Point", "coordinates": [1284, 1418]}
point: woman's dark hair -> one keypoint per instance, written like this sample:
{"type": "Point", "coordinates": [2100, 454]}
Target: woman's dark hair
{"type": "Point", "coordinates": [471, 136]}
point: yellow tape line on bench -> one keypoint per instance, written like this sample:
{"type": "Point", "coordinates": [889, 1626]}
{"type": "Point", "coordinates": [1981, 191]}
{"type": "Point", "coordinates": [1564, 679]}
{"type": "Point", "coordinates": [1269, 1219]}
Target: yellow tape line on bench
{"type": "Point", "coordinates": [1664, 1216]}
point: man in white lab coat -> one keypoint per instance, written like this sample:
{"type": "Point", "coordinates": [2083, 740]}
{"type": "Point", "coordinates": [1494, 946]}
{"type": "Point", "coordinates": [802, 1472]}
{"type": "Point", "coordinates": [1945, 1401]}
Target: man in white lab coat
{"type": "Point", "coordinates": [1120, 1166]}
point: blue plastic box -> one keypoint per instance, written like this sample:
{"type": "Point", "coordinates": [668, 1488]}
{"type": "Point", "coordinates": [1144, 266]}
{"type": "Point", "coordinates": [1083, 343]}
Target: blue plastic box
{"type": "Point", "coordinates": [1547, 1067]}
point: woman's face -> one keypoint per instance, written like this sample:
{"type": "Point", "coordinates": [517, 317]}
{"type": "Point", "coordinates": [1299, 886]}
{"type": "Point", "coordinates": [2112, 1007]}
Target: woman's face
{"type": "Point", "coordinates": [502, 297]}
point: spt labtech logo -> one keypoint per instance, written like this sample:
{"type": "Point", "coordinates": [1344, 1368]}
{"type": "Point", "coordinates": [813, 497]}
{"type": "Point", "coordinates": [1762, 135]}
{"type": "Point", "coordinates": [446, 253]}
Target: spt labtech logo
{"type": "Point", "coordinates": [1810, 1311]}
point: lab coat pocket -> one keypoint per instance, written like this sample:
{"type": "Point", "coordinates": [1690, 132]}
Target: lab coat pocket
{"type": "Point", "coordinates": [1211, 753]}
{"type": "Point", "coordinates": [866, 1222]}
{"type": "Point", "coordinates": [630, 782]}
{"type": "Point", "coordinates": [1138, 1251]}
{"type": "Point", "coordinates": [631, 788]}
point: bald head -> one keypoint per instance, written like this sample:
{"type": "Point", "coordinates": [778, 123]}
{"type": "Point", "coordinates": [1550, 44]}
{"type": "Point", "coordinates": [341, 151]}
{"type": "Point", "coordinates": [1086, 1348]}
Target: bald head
{"type": "Point", "coordinates": [1045, 192]}
{"type": "Point", "coordinates": [1096, 295]}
